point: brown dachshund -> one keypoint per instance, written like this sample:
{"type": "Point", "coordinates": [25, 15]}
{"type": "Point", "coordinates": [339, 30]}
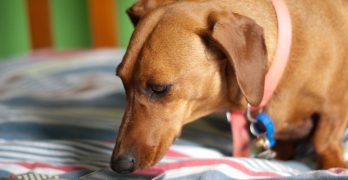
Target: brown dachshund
{"type": "Point", "coordinates": [187, 59]}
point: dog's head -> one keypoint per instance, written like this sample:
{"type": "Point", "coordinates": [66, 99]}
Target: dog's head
{"type": "Point", "coordinates": [184, 61]}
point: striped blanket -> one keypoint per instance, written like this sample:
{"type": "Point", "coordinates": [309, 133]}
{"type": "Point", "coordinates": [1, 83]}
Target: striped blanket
{"type": "Point", "coordinates": [59, 115]}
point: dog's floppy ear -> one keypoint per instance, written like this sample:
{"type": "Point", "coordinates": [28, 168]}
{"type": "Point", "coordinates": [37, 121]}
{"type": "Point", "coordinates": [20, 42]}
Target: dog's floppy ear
{"type": "Point", "coordinates": [140, 8]}
{"type": "Point", "coordinates": [242, 41]}
{"type": "Point", "coordinates": [136, 11]}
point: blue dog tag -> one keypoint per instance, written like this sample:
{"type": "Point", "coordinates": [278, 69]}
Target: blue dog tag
{"type": "Point", "coordinates": [264, 125]}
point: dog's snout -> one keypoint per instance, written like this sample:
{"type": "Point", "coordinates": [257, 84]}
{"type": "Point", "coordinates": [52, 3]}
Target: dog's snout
{"type": "Point", "coordinates": [123, 164]}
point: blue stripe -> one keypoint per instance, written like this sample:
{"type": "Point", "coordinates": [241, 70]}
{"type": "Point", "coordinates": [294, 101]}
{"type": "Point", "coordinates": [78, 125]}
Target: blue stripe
{"type": "Point", "coordinates": [4, 174]}
{"type": "Point", "coordinates": [98, 145]}
{"type": "Point", "coordinates": [89, 163]}
{"type": "Point", "coordinates": [98, 68]}
{"type": "Point", "coordinates": [75, 147]}
{"type": "Point", "coordinates": [77, 120]}
{"type": "Point", "coordinates": [37, 131]}
{"type": "Point", "coordinates": [206, 175]}
{"type": "Point", "coordinates": [75, 174]}
{"type": "Point", "coordinates": [104, 159]}
{"type": "Point", "coordinates": [115, 100]}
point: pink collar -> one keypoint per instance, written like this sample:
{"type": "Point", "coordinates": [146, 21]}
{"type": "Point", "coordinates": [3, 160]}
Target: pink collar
{"type": "Point", "coordinates": [238, 122]}
{"type": "Point", "coordinates": [282, 53]}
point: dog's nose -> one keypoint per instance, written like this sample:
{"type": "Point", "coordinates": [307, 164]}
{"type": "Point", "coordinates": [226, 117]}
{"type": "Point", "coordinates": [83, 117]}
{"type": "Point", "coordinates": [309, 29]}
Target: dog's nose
{"type": "Point", "coordinates": [123, 164]}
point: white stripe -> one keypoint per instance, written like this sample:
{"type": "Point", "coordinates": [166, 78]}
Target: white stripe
{"type": "Point", "coordinates": [86, 146]}
{"type": "Point", "coordinates": [72, 62]}
{"type": "Point", "coordinates": [76, 164]}
{"type": "Point", "coordinates": [103, 143]}
{"type": "Point", "coordinates": [259, 165]}
{"type": "Point", "coordinates": [225, 169]}
{"type": "Point", "coordinates": [267, 165]}
{"type": "Point", "coordinates": [249, 162]}
{"type": "Point", "coordinates": [14, 168]}
{"type": "Point", "coordinates": [51, 159]}
{"type": "Point", "coordinates": [37, 151]}
{"type": "Point", "coordinates": [18, 169]}
{"type": "Point", "coordinates": [254, 165]}
{"type": "Point", "coordinates": [3, 160]}
{"type": "Point", "coordinates": [280, 168]}
{"type": "Point", "coordinates": [60, 144]}
{"type": "Point", "coordinates": [171, 160]}
{"type": "Point", "coordinates": [263, 166]}
{"type": "Point", "coordinates": [228, 171]}
{"type": "Point", "coordinates": [277, 167]}
{"type": "Point", "coordinates": [196, 152]}
{"type": "Point", "coordinates": [48, 171]}
{"type": "Point", "coordinates": [75, 122]}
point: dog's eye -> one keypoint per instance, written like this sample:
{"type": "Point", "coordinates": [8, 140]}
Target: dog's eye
{"type": "Point", "coordinates": [157, 90]}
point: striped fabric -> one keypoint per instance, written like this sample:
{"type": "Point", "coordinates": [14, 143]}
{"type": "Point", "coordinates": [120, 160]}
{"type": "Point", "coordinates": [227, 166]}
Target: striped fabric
{"type": "Point", "coordinates": [53, 157]}
{"type": "Point", "coordinates": [62, 157]}
{"type": "Point", "coordinates": [59, 115]}
{"type": "Point", "coordinates": [57, 157]}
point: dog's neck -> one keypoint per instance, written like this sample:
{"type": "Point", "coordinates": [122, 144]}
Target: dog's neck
{"type": "Point", "coordinates": [275, 19]}
{"type": "Point", "coordinates": [266, 18]}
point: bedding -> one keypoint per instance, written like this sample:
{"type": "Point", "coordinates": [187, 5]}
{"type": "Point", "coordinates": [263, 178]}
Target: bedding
{"type": "Point", "coordinates": [59, 115]}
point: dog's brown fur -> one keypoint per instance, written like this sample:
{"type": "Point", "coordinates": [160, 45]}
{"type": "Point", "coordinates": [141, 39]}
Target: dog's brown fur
{"type": "Point", "coordinates": [215, 54]}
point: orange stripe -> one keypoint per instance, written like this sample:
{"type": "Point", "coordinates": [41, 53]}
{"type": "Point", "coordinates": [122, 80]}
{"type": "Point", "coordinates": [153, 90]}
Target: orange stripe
{"type": "Point", "coordinates": [103, 20]}
{"type": "Point", "coordinates": [39, 20]}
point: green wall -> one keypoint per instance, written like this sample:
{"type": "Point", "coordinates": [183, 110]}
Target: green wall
{"type": "Point", "coordinates": [125, 26]}
{"type": "Point", "coordinates": [69, 21]}
{"type": "Point", "coordinates": [14, 35]}
{"type": "Point", "coordinates": [70, 24]}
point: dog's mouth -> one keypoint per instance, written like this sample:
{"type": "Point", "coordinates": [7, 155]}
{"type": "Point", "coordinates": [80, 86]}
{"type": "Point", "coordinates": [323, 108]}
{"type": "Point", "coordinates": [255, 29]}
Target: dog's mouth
{"type": "Point", "coordinates": [143, 156]}
{"type": "Point", "coordinates": [160, 152]}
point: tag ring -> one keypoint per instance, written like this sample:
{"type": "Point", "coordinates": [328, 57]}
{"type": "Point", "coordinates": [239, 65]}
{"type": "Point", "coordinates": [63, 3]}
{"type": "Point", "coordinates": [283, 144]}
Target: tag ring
{"type": "Point", "coordinates": [248, 114]}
